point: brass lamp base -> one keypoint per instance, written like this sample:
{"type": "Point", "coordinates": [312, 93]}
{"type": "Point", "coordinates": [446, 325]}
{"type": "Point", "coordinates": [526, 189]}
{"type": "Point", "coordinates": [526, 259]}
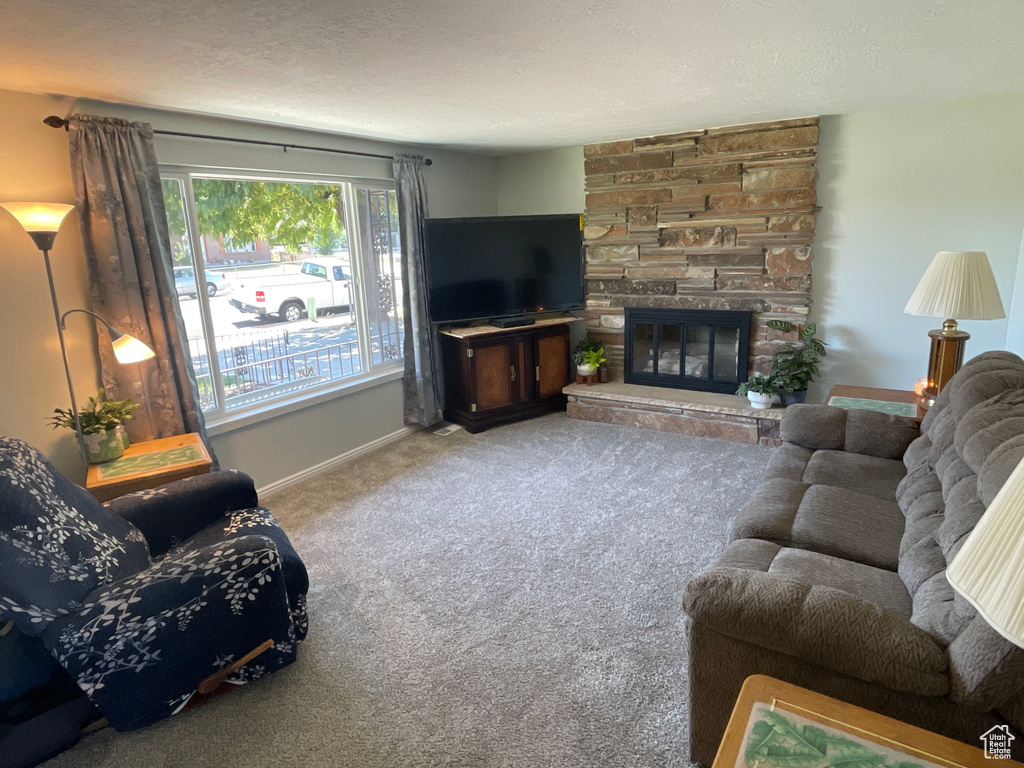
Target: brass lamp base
{"type": "Point", "coordinates": [947, 354]}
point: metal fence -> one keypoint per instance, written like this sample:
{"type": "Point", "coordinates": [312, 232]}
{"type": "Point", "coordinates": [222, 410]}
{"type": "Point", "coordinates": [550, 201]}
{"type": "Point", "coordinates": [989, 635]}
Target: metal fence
{"type": "Point", "coordinates": [255, 367]}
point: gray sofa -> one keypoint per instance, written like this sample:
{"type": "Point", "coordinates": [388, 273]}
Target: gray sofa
{"type": "Point", "coordinates": [834, 577]}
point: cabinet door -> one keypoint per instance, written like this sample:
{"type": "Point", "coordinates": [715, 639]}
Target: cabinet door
{"type": "Point", "coordinates": [551, 359]}
{"type": "Point", "coordinates": [492, 376]}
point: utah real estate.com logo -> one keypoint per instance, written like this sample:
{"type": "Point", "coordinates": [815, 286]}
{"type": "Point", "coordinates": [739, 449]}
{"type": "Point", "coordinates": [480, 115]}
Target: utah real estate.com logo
{"type": "Point", "coordinates": [997, 742]}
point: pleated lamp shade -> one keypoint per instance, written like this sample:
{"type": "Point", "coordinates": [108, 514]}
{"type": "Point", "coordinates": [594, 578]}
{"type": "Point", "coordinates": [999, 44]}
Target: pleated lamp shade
{"type": "Point", "coordinates": [958, 285]}
{"type": "Point", "coordinates": [989, 568]}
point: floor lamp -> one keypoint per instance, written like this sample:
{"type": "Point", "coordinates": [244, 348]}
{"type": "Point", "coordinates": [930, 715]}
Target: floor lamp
{"type": "Point", "coordinates": [958, 285]}
{"type": "Point", "coordinates": [42, 221]}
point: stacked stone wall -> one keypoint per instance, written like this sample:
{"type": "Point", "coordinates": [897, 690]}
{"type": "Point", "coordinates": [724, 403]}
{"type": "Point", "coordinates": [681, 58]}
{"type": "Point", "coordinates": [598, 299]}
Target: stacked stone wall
{"type": "Point", "coordinates": [715, 219]}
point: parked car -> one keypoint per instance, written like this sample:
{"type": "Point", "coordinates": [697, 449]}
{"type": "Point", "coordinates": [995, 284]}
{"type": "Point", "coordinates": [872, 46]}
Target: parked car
{"type": "Point", "coordinates": [325, 280]}
{"type": "Point", "coordinates": [185, 282]}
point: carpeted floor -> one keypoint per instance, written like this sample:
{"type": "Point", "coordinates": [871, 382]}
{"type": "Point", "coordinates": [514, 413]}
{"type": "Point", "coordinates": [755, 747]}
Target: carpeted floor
{"type": "Point", "coordinates": [504, 599]}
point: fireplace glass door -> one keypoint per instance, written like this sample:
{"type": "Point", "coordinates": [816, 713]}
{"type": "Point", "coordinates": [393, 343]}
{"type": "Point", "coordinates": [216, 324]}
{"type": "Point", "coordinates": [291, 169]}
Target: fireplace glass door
{"type": "Point", "coordinates": [688, 349]}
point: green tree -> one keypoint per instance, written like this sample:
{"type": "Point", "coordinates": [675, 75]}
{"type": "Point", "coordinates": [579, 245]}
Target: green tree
{"type": "Point", "coordinates": [278, 213]}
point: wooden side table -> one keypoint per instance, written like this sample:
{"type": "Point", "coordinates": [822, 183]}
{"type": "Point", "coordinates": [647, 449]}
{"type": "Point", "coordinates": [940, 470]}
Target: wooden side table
{"type": "Point", "coordinates": [880, 396]}
{"type": "Point", "coordinates": [776, 724]}
{"type": "Point", "coordinates": [147, 465]}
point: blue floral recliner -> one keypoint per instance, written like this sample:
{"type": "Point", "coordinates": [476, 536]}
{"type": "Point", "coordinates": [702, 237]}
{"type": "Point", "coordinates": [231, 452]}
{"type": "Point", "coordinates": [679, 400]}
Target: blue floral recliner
{"type": "Point", "coordinates": [143, 598]}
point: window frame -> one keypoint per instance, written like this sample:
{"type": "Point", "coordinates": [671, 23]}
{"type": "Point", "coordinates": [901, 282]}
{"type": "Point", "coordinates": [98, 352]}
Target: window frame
{"type": "Point", "coordinates": [218, 419]}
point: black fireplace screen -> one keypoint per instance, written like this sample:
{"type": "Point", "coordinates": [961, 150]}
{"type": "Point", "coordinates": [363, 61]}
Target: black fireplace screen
{"type": "Point", "coordinates": [690, 349]}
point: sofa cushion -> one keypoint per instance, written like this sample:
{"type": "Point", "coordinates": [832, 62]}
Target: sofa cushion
{"type": "Point", "coordinates": [814, 426]}
{"type": "Point", "coordinates": [917, 452]}
{"type": "Point", "coordinates": [918, 480]}
{"type": "Point", "coordinates": [998, 467]}
{"type": "Point", "coordinates": [869, 475]}
{"type": "Point", "coordinates": [1004, 411]}
{"type": "Point", "coordinates": [875, 585]}
{"type": "Point", "coordinates": [985, 668]}
{"type": "Point", "coordinates": [879, 587]}
{"type": "Point", "coordinates": [833, 521]}
{"type": "Point", "coordinates": [822, 427]}
{"type": "Point", "coordinates": [879, 434]}
{"type": "Point", "coordinates": [866, 474]}
{"type": "Point", "coordinates": [788, 462]}
{"type": "Point", "coordinates": [57, 543]}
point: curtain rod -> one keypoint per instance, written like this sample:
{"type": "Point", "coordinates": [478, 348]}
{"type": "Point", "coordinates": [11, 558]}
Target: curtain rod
{"type": "Point", "coordinates": [58, 122]}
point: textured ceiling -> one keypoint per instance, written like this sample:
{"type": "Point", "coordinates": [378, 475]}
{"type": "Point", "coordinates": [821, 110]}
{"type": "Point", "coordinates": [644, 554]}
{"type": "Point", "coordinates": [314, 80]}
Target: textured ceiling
{"type": "Point", "coordinates": [499, 76]}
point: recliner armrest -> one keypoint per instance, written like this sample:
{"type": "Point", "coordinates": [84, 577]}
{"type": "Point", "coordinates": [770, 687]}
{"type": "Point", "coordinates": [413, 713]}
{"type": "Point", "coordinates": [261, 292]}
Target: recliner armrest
{"type": "Point", "coordinates": [173, 512]}
{"type": "Point", "coordinates": [140, 646]}
{"type": "Point", "coordinates": [824, 427]}
{"type": "Point", "coordinates": [821, 625]}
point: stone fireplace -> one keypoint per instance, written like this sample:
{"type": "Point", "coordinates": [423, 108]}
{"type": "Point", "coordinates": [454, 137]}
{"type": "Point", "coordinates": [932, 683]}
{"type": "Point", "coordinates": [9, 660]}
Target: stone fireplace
{"type": "Point", "coordinates": [719, 220]}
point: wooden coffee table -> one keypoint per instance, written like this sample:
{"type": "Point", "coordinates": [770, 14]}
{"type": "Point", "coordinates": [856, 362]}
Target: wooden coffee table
{"type": "Point", "coordinates": [879, 396]}
{"type": "Point", "coordinates": [779, 725]}
{"type": "Point", "coordinates": [147, 465]}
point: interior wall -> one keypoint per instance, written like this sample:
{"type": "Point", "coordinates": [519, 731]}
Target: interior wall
{"type": "Point", "coordinates": [533, 183]}
{"type": "Point", "coordinates": [896, 186]}
{"type": "Point", "coordinates": [1015, 310]}
{"type": "Point", "coordinates": [34, 166]}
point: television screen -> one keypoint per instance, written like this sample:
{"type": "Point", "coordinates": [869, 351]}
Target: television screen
{"type": "Point", "coordinates": [500, 266]}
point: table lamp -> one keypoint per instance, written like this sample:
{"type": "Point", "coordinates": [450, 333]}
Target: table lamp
{"type": "Point", "coordinates": [958, 285]}
{"type": "Point", "coordinates": [989, 569]}
{"type": "Point", "coordinates": [42, 222]}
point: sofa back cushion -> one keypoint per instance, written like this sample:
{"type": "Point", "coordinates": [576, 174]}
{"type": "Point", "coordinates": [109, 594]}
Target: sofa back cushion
{"type": "Point", "coordinates": [971, 440]}
{"type": "Point", "coordinates": [57, 543]}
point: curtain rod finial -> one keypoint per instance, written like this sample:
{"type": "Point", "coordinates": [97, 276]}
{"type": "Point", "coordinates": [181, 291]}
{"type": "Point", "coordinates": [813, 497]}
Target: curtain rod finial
{"type": "Point", "coordinates": [428, 161]}
{"type": "Point", "coordinates": [56, 122]}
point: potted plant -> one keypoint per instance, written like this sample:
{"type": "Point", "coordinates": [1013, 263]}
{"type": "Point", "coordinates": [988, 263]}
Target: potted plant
{"type": "Point", "coordinates": [760, 390]}
{"type": "Point", "coordinates": [795, 363]}
{"type": "Point", "coordinates": [588, 356]}
{"type": "Point", "coordinates": [101, 421]}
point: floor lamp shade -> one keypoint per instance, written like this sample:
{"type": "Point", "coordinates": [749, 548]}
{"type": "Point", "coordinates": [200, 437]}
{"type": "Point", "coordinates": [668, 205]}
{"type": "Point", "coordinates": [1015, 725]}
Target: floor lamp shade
{"type": "Point", "coordinates": [958, 285]}
{"type": "Point", "coordinates": [989, 569]}
{"type": "Point", "coordinates": [40, 220]}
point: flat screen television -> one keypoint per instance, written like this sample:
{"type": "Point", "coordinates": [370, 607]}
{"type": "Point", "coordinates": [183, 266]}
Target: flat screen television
{"type": "Point", "coordinates": [506, 265]}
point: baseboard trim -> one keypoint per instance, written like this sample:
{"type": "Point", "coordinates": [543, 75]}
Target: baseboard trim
{"type": "Point", "coordinates": [323, 466]}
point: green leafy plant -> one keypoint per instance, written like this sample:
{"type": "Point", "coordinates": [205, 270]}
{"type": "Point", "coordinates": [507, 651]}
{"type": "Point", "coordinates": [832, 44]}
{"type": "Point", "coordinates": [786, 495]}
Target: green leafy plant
{"type": "Point", "coordinates": [758, 382]}
{"type": "Point", "coordinates": [593, 357]}
{"type": "Point", "coordinates": [97, 416]}
{"type": "Point", "coordinates": [588, 345]}
{"type": "Point", "coordinates": [795, 363]}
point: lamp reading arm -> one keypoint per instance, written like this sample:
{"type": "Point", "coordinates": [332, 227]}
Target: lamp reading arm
{"type": "Point", "coordinates": [127, 348]}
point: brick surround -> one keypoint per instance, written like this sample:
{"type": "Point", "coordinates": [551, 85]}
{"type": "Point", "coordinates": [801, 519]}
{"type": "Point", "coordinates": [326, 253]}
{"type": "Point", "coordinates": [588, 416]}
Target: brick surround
{"type": "Point", "coordinates": [714, 219]}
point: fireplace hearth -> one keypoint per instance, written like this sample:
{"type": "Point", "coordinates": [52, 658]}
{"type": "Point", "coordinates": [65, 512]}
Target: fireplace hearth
{"type": "Point", "coordinates": [703, 350]}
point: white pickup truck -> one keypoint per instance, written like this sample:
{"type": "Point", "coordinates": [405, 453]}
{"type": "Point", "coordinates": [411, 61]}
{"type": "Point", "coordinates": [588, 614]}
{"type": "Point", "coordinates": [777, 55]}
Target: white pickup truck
{"type": "Point", "coordinates": [327, 281]}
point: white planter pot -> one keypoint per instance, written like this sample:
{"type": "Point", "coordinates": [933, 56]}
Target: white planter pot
{"type": "Point", "coordinates": [585, 370]}
{"type": "Point", "coordinates": [760, 400]}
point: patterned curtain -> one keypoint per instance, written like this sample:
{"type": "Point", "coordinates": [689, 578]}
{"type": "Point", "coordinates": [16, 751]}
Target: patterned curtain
{"type": "Point", "coordinates": [422, 402]}
{"type": "Point", "coordinates": [124, 229]}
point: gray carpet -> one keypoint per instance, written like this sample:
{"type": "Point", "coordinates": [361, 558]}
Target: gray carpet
{"type": "Point", "coordinates": [504, 599]}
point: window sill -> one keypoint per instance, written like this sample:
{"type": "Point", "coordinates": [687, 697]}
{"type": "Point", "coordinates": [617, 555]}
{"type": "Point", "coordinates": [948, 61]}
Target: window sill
{"type": "Point", "coordinates": [224, 423]}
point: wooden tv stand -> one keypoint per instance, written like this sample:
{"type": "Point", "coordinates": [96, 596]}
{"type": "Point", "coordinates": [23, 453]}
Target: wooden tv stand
{"type": "Point", "coordinates": [500, 375]}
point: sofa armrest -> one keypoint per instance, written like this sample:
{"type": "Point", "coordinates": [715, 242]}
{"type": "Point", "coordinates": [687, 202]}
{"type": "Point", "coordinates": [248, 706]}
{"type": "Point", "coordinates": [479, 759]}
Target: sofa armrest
{"type": "Point", "coordinates": [173, 512]}
{"type": "Point", "coordinates": [823, 427]}
{"type": "Point", "coordinates": [820, 625]}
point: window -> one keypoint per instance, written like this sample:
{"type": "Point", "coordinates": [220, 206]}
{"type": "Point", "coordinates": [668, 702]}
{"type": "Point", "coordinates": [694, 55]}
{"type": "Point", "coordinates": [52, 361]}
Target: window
{"type": "Point", "coordinates": [317, 309]}
{"type": "Point", "coordinates": [316, 270]}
